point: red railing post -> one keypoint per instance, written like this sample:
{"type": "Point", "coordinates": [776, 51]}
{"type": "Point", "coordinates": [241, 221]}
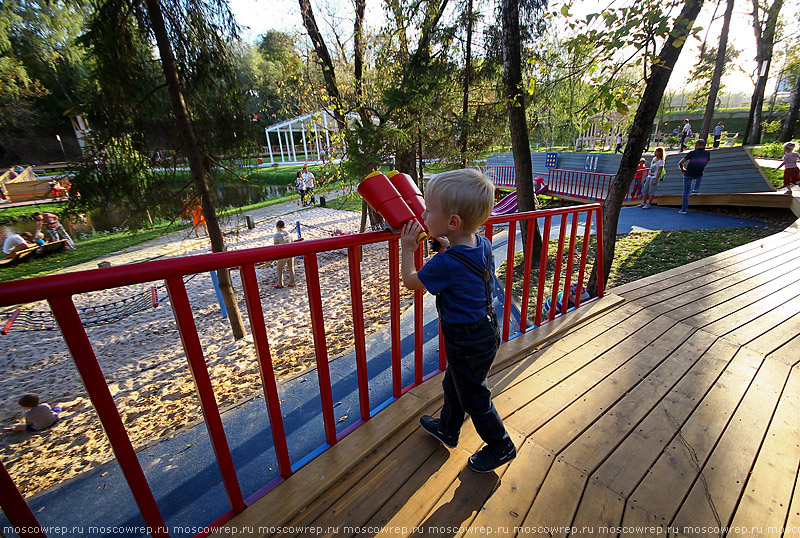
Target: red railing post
{"type": "Point", "coordinates": [512, 239]}
{"type": "Point", "coordinates": [261, 341]}
{"type": "Point", "coordinates": [542, 270]}
{"type": "Point", "coordinates": [587, 236]}
{"type": "Point", "coordinates": [16, 509]}
{"type": "Point", "coordinates": [359, 340]}
{"type": "Point", "coordinates": [526, 275]}
{"type": "Point", "coordinates": [394, 315]}
{"type": "Point", "coordinates": [320, 346]}
{"type": "Point", "coordinates": [557, 272]}
{"type": "Point", "coordinates": [418, 296]}
{"type": "Point", "coordinates": [599, 257]}
{"type": "Point", "coordinates": [187, 330]}
{"type": "Point", "coordinates": [71, 327]}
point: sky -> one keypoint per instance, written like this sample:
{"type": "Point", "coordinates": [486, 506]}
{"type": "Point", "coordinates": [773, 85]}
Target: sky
{"type": "Point", "coordinates": [259, 16]}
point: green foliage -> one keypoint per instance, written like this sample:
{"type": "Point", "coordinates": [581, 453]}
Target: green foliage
{"type": "Point", "coordinates": [42, 68]}
{"type": "Point", "coordinates": [773, 150]}
{"type": "Point", "coordinates": [703, 71]}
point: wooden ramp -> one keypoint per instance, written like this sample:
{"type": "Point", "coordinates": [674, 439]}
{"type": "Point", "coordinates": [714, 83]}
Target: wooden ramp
{"type": "Point", "coordinates": [675, 409]}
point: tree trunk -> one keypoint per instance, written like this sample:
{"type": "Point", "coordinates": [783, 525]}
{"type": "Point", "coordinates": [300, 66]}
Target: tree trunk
{"type": "Point", "coordinates": [719, 67]}
{"type": "Point", "coordinates": [788, 125]}
{"type": "Point", "coordinates": [195, 158]}
{"type": "Point", "coordinates": [358, 61]}
{"type": "Point", "coordinates": [637, 136]}
{"type": "Point", "coordinates": [467, 82]}
{"type": "Point", "coordinates": [517, 123]}
{"type": "Point", "coordinates": [328, 72]}
{"type": "Point", "coordinates": [765, 41]}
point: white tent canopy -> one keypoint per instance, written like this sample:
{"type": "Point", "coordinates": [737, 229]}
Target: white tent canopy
{"type": "Point", "coordinates": [320, 124]}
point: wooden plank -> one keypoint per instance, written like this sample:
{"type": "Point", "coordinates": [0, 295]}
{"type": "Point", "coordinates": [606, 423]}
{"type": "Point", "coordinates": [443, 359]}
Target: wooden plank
{"type": "Point", "coordinates": [456, 510]}
{"type": "Point", "coordinates": [722, 478]}
{"type": "Point", "coordinates": [788, 353]}
{"type": "Point", "coordinates": [364, 497]}
{"type": "Point", "coordinates": [691, 286]}
{"type": "Point", "coordinates": [605, 435]}
{"type": "Point", "coordinates": [510, 502]}
{"type": "Point", "coordinates": [512, 350]}
{"type": "Point", "coordinates": [722, 373]}
{"type": "Point", "coordinates": [624, 319]}
{"type": "Point", "coordinates": [768, 491]}
{"type": "Point", "coordinates": [603, 400]}
{"type": "Point", "coordinates": [776, 339]}
{"type": "Point", "coordinates": [761, 199]}
{"type": "Point", "coordinates": [657, 499]}
{"type": "Point", "coordinates": [728, 258]}
{"type": "Point", "coordinates": [748, 324]}
{"type": "Point", "coordinates": [617, 460]}
{"type": "Point", "coordinates": [418, 497]}
{"type": "Point", "coordinates": [290, 497]}
{"type": "Point", "coordinates": [321, 504]}
{"type": "Point", "coordinates": [748, 295]}
{"type": "Point", "coordinates": [703, 298]}
{"type": "Point", "coordinates": [554, 506]}
{"type": "Point", "coordinates": [601, 357]}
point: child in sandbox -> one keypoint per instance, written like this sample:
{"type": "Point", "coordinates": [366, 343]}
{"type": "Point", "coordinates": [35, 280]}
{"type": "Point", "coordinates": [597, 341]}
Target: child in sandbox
{"type": "Point", "coordinates": [461, 277]}
{"type": "Point", "coordinates": [40, 416]}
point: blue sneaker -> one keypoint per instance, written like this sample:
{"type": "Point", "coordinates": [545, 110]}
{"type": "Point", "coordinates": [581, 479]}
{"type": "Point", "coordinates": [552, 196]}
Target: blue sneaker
{"type": "Point", "coordinates": [486, 461]}
{"type": "Point", "coordinates": [433, 427]}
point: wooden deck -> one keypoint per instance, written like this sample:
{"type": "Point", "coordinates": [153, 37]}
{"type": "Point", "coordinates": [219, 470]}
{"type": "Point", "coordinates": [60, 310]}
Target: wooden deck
{"type": "Point", "coordinates": [670, 405]}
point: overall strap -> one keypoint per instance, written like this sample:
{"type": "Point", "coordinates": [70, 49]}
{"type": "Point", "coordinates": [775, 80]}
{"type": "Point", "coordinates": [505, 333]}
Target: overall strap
{"type": "Point", "coordinates": [485, 273]}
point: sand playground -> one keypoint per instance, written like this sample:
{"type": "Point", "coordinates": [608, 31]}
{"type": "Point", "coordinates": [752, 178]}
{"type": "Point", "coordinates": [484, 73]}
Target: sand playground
{"type": "Point", "coordinates": [143, 361]}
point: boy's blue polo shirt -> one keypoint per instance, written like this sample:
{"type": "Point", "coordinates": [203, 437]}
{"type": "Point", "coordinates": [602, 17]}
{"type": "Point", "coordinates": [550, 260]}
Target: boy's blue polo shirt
{"type": "Point", "coordinates": [463, 292]}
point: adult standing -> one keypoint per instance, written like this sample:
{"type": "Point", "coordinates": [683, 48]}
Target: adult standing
{"type": "Point", "coordinates": [718, 134]}
{"type": "Point", "coordinates": [653, 177]}
{"type": "Point", "coordinates": [309, 178]}
{"type": "Point", "coordinates": [692, 166]}
{"type": "Point", "coordinates": [54, 228]}
{"type": "Point", "coordinates": [17, 242]}
{"type": "Point", "coordinates": [686, 132]}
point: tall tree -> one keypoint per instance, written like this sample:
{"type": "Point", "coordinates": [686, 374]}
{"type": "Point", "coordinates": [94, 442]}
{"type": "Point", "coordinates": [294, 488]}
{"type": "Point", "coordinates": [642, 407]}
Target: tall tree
{"type": "Point", "coordinates": [465, 124]}
{"type": "Point", "coordinates": [515, 107]}
{"type": "Point", "coordinates": [719, 67]}
{"type": "Point", "coordinates": [787, 132]}
{"type": "Point", "coordinates": [196, 68]}
{"type": "Point", "coordinates": [638, 135]}
{"type": "Point", "coordinates": [195, 157]}
{"type": "Point", "coordinates": [765, 23]}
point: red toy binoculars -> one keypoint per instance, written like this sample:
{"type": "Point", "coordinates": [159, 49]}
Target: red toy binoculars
{"type": "Point", "coordinates": [396, 198]}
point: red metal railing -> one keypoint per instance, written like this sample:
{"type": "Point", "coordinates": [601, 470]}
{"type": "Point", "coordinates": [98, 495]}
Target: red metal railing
{"type": "Point", "coordinates": [590, 186]}
{"type": "Point", "coordinates": [502, 176]}
{"type": "Point", "coordinates": [58, 291]}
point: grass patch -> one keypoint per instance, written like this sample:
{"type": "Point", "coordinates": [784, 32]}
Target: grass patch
{"type": "Point", "coordinates": [775, 176]}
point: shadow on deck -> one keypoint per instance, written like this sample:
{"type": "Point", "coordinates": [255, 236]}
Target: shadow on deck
{"type": "Point", "coordinates": [669, 406]}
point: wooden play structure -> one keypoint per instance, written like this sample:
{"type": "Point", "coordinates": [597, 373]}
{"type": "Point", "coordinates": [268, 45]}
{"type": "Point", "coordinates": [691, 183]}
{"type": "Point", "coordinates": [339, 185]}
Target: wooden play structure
{"type": "Point", "coordinates": [27, 186]}
{"type": "Point", "coordinates": [732, 177]}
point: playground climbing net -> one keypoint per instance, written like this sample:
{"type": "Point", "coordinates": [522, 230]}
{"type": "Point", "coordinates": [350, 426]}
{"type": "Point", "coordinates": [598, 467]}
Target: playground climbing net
{"type": "Point", "coordinates": [92, 316]}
